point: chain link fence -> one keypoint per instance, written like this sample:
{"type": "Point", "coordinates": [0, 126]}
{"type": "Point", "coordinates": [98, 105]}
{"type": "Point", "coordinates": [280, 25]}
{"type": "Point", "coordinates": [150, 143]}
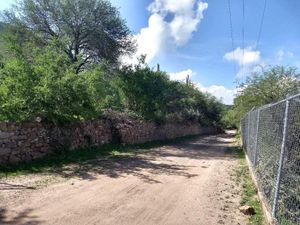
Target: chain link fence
{"type": "Point", "coordinates": [271, 139]}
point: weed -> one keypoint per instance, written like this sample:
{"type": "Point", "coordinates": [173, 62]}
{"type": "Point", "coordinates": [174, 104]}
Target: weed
{"type": "Point", "coordinates": [249, 192]}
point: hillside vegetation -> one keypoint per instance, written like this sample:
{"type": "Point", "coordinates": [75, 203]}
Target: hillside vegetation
{"type": "Point", "coordinates": [60, 62]}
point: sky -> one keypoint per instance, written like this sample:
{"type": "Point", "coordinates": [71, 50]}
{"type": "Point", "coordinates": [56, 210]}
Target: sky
{"type": "Point", "coordinates": [193, 37]}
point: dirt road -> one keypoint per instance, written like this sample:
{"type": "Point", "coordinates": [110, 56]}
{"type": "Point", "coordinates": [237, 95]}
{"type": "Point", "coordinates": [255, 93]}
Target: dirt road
{"type": "Point", "coordinates": [187, 183]}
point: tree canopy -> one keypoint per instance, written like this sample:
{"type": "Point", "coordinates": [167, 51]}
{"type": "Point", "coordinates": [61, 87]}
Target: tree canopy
{"type": "Point", "coordinates": [154, 96]}
{"type": "Point", "coordinates": [269, 85]}
{"type": "Point", "coordinates": [58, 63]}
{"type": "Point", "coordinates": [42, 83]}
{"type": "Point", "coordinates": [90, 30]}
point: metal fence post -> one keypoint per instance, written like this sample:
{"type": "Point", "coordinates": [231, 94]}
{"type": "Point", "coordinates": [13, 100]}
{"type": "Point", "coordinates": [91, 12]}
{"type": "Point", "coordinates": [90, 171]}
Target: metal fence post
{"type": "Point", "coordinates": [248, 133]}
{"type": "Point", "coordinates": [256, 138]}
{"type": "Point", "coordinates": [277, 188]}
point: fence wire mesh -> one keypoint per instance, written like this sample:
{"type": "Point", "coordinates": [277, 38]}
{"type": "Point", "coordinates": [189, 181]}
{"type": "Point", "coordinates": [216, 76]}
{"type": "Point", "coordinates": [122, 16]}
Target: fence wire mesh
{"type": "Point", "coordinates": [271, 139]}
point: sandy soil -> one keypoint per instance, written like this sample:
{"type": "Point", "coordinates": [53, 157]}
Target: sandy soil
{"type": "Point", "coordinates": [189, 183]}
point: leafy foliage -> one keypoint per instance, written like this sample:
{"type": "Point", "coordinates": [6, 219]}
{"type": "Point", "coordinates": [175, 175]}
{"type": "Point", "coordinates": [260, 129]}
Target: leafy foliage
{"type": "Point", "coordinates": [42, 82]}
{"type": "Point", "coordinates": [152, 95]}
{"type": "Point", "coordinates": [42, 85]}
{"type": "Point", "coordinates": [90, 30]}
{"type": "Point", "coordinates": [268, 86]}
{"type": "Point", "coordinates": [58, 63]}
{"type": "Point", "coordinates": [249, 193]}
{"type": "Point", "coordinates": [142, 90]}
{"type": "Point", "coordinates": [228, 118]}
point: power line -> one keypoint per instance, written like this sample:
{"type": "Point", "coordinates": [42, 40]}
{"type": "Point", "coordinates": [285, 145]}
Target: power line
{"type": "Point", "coordinates": [243, 31]}
{"type": "Point", "coordinates": [231, 31]}
{"type": "Point", "coordinates": [230, 23]}
{"type": "Point", "coordinates": [261, 25]}
{"type": "Point", "coordinates": [243, 37]}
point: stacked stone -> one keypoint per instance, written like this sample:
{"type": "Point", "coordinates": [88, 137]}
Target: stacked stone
{"type": "Point", "coordinates": [28, 141]}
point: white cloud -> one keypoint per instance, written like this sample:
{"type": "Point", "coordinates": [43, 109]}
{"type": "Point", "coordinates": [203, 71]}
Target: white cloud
{"type": "Point", "coordinates": [253, 62]}
{"type": "Point", "coordinates": [246, 57]}
{"type": "Point", "coordinates": [153, 39]}
{"type": "Point", "coordinates": [163, 35]}
{"type": "Point", "coordinates": [220, 92]}
{"type": "Point", "coordinates": [181, 76]}
{"type": "Point", "coordinates": [281, 55]}
{"type": "Point", "coordinates": [248, 60]}
{"type": "Point", "coordinates": [186, 17]}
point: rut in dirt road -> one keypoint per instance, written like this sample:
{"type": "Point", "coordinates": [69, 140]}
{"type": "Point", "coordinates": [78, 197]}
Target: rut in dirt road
{"type": "Point", "coordinates": [187, 183]}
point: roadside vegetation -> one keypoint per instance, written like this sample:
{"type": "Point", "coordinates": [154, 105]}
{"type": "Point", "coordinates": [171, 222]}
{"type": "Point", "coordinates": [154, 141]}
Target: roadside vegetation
{"type": "Point", "coordinates": [60, 61]}
{"type": "Point", "coordinates": [271, 84]}
{"type": "Point", "coordinates": [249, 192]}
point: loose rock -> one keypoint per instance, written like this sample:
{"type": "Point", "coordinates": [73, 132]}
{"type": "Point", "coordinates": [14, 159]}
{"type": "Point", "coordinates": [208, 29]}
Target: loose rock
{"type": "Point", "coordinates": [247, 210]}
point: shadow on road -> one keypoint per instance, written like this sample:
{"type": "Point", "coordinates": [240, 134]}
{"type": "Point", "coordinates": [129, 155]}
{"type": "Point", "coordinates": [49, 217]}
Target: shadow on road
{"type": "Point", "coordinates": [141, 163]}
{"type": "Point", "coordinates": [152, 161]}
{"type": "Point", "coordinates": [19, 219]}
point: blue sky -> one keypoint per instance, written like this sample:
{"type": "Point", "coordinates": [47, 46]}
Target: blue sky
{"type": "Point", "coordinates": [193, 37]}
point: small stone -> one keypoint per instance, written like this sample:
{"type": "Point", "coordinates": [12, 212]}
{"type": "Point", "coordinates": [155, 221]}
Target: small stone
{"type": "Point", "coordinates": [221, 222]}
{"type": "Point", "coordinates": [247, 210]}
{"type": "Point", "coordinates": [38, 119]}
{"type": "Point", "coordinates": [5, 135]}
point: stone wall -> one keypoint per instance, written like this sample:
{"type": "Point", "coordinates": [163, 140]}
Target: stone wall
{"type": "Point", "coordinates": [141, 132]}
{"type": "Point", "coordinates": [28, 141]}
{"type": "Point", "coordinates": [23, 142]}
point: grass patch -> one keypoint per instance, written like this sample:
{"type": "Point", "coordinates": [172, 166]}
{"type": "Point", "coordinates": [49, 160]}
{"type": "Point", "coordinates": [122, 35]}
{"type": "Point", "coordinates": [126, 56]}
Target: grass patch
{"type": "Point", "coordinates": [249, 192]}
{"type": "Point", "coordinates": [59, 159]}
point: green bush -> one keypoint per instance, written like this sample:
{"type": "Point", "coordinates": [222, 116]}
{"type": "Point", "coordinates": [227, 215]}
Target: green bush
{"type": "Point", "coordinates": [267, 86]}
{"type": "Point", "coordinates": [154, 96]}
{"type": "Point", "coordinates": [39, 79]}
{"type": "Point", "coordinates": [42, 85]}
{"type": "Point", "coordinates": [45, 84]}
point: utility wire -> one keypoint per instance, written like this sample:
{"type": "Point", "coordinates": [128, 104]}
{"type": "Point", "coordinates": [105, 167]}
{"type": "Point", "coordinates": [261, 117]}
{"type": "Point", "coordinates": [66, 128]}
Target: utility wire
{"type": "Point", "coordinates": [231, 31]}
{"type": "Point", "coordinates": [243, 37]}
{"type": "Point", "coordinates": [243, 31]}
{"type": "Point", "coordinates": [261, 25]}
{"type": "Point", "coordinates": [230, 23]}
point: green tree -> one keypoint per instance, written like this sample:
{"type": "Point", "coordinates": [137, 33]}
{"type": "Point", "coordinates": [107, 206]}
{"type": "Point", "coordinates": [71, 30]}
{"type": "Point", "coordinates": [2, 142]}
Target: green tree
{"type": "Point", "coordinates": [214, 109]}
{"type": "Point", "coordinates": [154, 96]}
{"type": "Point", "coordinates": [270, 85]}
{"type": "Point", "coordinates": [44, 84]}
{"type": "Point", "coordinates": [143, 91]}
{"type": "Point", "coordinates": [103, 88]}
{"type": "Point", "coordinates": [89, 30]}
{"type": "Point", "coordinates": [228, 118]}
